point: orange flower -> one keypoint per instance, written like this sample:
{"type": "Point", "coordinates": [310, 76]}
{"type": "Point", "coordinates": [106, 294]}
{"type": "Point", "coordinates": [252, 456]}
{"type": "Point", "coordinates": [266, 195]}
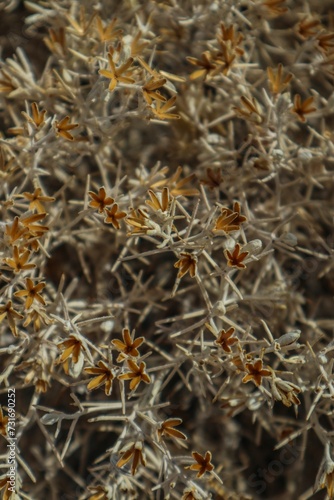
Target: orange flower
{"type": "Point", "coordinates": [235, 258]}
{"type": "Point", "coordinates": [150, 90]}
{"type": "Point", "coordinates": [187, 262]}
{"type": "Point", "coordinates": [128, 347]}
{"type": "Point", "coordinates": [275, 7]}
{"type": "Point", "coordinates": [255, 373]}
{"type": "Point", "coordinates": [167, 429]}
{"type": "Point", "coordinates": [113, 216]}
{"type": "Point", "coordinates": [305, 28]}
{"type": "Point", "coordinates": [161, 110]}
{"type": "Point", "coordinates": [115, 74]}
{"type": "Point", "coordinates": [135, 452]}
{"type": "Point", "coordinates": [206, 64]}
{"type": "Point", "coordinates": [19, 261]}
{"type": "Point", "coordinates": [36, 199]}
{"type": "Point", "coordinates": [203, 464]}
{"type": "Point", "coordinates": [109, 32]}
{"type": "Point", "coordinates": [100, 200]}
{"type": "Point", "coordinates": [157, 203]}
{"type": "Point", "coordinates": [11, 314]}
{"type": "Point", "coordinates": [303, 108]}
{"type": "Point", "coordinates": [226, 339]}
{"type": "Point", "coordinates": [32, 293]}
{"type": "Point", "coordinates": [136, 375]}
{"type": "Point", "coordinates": [225, 222]}
{"type": "Point", "coordinates": [15, 231]}
{"type": "Point", "coordinates": [63, 127]}
{"type": "Point", "coordinates": [176, 185]}
{"type": "Point", "coordinates": [38, 117]}
{"type": "Point", "coordinates": [276, 81]}
{"type": "Point", "coordinates": [103, 376]}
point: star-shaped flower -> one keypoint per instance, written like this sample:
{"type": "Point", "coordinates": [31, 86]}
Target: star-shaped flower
{"type": "Point", "coordinates": [203, 463]}
{"type": "Point", "coordinates": [128, 347]}
{"type": "Point", "coordinates": [103, 375]}
{"type": "Point", "coordinates": [136, 374]}
{"type": "Point", "coordinates": [256, 372]}
{"type": "Point", "coordinates": [32, 293]}
{"type": "Point", "coordinates": [235, 259]}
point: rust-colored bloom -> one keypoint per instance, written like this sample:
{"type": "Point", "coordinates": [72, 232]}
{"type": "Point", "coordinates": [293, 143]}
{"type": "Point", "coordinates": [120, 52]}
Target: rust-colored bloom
{"type": "Point", "coordinates": [30, 223]}
{"type": "Point", "coordinates": [203, 463]}
{"type": "Point", "coordinates": [56, 41]}
{"type": "Point", "coordinates": [151, 92]}
{"type": "Point", "coordinates": [191, 494]}
{"type": "Point", "coordinates": [129, 346]}
{"type": "Point", "coordinates": [236, 258]}
{"type": "Point", "coordinates": [8, 311]}
{"type": "Point", "coordinates": [15, 230]}
{"type": "Point", "coordinates": [136, 374]}
{"type": "Point", "coordinates": [36, 199]}
{"type": "Point", "coordinates": [135, 452]}
{"type": "Point", "coordinates": [19, 261]}
{"type": "Point", "coordinates": [176, 185]}
{"type": "Point", "coordinates": [308, 27]}
{"type": "Point", "coordinates": [277, 82]}
{"type": "Point", "coordinates": [167, 429]}
{"type": "Point", "coordinates": [225, 222]}
{"type": "Point", "coordinates": [274, 7]}
{"type": "Point", "coordinates": [251, 109]}
{"type": "Point", "coordinates": [160, 201]}
{"type": "Point", "coordinates": [117, 75]}
{"type": "Point", "coordinates": [162, 109]}
{"type": "Point", "coordinates": [3, 423]}
{"type": "Point", "coordinates": [187, 262]}
{"type": "Point", "coordinates": [103, 375]}
{"type": "Point", "coordinates": [70, 347]}
{"type": "Point", "coordinates": [37, 118]}
{"type": "Point", "coordinates": [256, 372]}
{"type": "Point", "coordinates": [303, 108]}
{"type": "Point", "coordinates": [213, 178]}
{"type": "Point", "coordinates": [226, 339]}
{"type": "Point", "coordinates": [113, 216]}
{"type": "Point", "coordinates": [100, 200]}
{"type": "Point", "coordinates": [63, 127]}
{"type": "Point", "coordinates": [110, 32]}
{"type": "Point", "coordinates": [32, 293]}
{"type": "Point", "coordinates": [206, 64]}
{"type": "Point", "coordinates": [326, 42]}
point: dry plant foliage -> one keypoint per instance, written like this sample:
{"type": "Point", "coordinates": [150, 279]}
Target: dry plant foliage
{"type": "Point", "coordinates": [167, 239]}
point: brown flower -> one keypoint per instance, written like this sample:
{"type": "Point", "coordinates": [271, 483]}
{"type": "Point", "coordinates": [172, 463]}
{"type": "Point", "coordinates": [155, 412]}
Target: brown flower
{"type": "Point", "coordinates": [71, 348]}
{"type": "Point", "coordinates": [136, 374]}
{"type": "Point", "coordinates": [161, 110]}
{"type": "Point", "coordinates": [150, 90]}
{"type": "Point", "coordinates": [256, 372]}
{"type": "Point", "coordinates": [11, 314]}
{"type": "Point", "coordinates": [159, 203]}
{"type": "Point", "coordinates": [308, 27]}
{"type": "Point", "coordinates": [167, 429]}
{"type": "Point", "coordinates": [109, 32]}
{"type": "Point", "coordinates": [15, 230]}
{"type": "Point", "coordinates": [226, 339]}
{"type": "Point", "coordinates": [203, 463]}
{"type": "Point", "coordinates": [187, 262]}
{"type": "Point", "coordinates": [128, 347]}
{"type": "Point", "coordinates": [37, 118]}
{"type": "Point", "coordinates": [117, 75]}
{"type": "Point", "coordinates": [303, 108]}
{"type": "Point", "coordinates": [235, 259]}
{"type": "Point", "coordinates": [100, 200]}
{"type": "Point", "coordinates": [135, 452]}
{"type": "Point", "coordinates": [19, 261]}
{"type": "Point", "coordinates": [206, 65]}
{"type": "Point", "coordinates": [36, 199]}
{"type": "Point", "coordinates": [63, 127]}
{"type": "Point", "coordinates": [250, 110]}
{"type": "Point", "coordinates": [32, 293]}
{"type": "Point", "coordinates": [277, 82]}
{"type": "Point", "coordinates": [103, 376]}
{"type": "Point", "coordinates": [176, 185]}
{"type": "Point", "coordinates": [213, 179]}
{"type": "Point", "coordinates": [225, 222]}
{"type": "Point", "coordinates": [113, 216]}
{"type": "Point", "coordinates": [274, 7]}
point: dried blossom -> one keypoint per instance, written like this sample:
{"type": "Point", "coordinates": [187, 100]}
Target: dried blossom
{"type": "Point", "coordinates": [62, 128]}
{"type": "Point", "coordinates": [100, 200]}
{"type": "Point", "coordinates": [3, 423]}
{"type": "Point", "coordinates": [117, 75]}
{"type": "Point", "coordinates": [203, 463]}
{"type": "Point", "coordinates": [186, 263]}
{"type": "Point", "coordinates": [7, 311]}
{"type": "Point", "coordinates": [256, 372]}
{"type": "Point", "coordinates": [103, 375]}
{"type": "Point", "coordinates": [32, 293]}
{"type": "Point", "coordinates": [113, 216]}
{"type": "Point", "coordinates": [303, 108]}
{"type": "Point", "coordinates": [236, 258]}
{"type": "Point", "coordinates": [277, 82]}
{"type": "Point", "coordinates": [134, 452]}
{"type": "Point", "coordinates": [129, 346]}
{"type": "Point", "coordinates": [166, 428]}
{"type": "Point", "coordinates": [136, 374]}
